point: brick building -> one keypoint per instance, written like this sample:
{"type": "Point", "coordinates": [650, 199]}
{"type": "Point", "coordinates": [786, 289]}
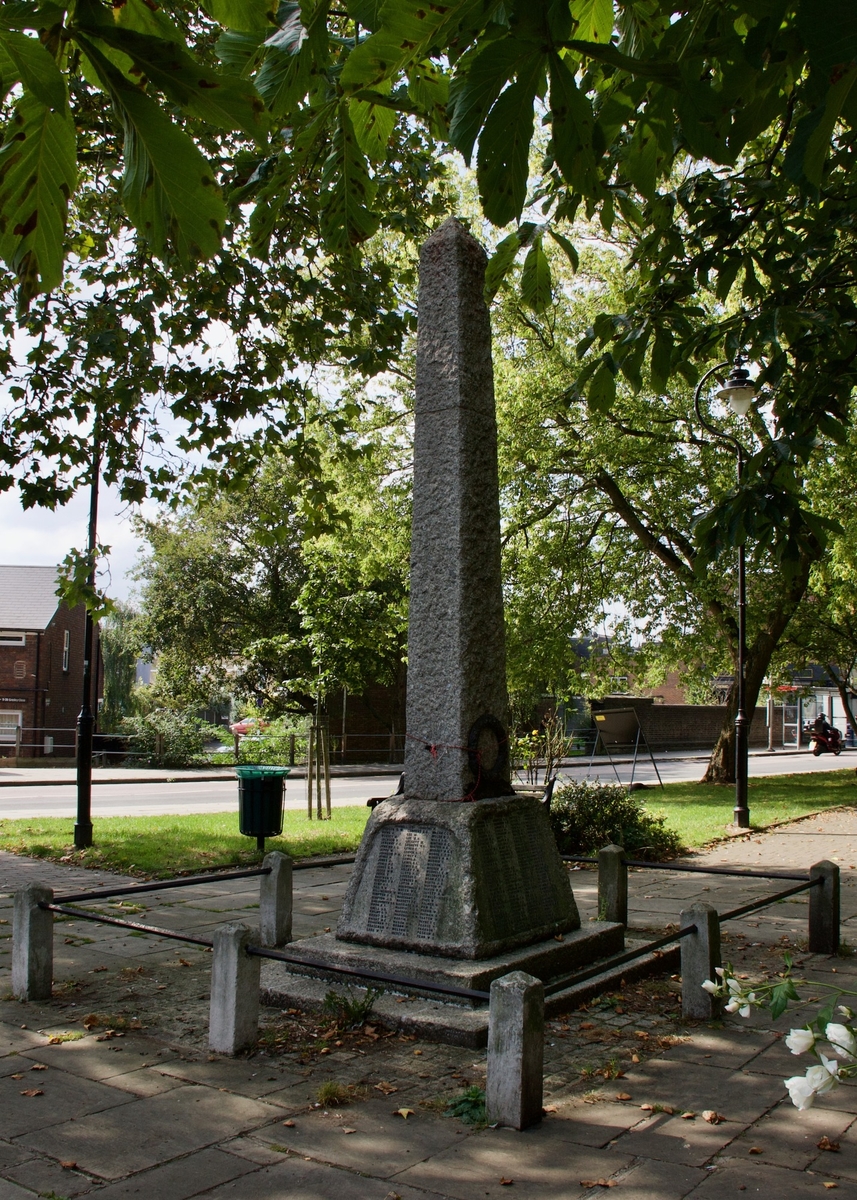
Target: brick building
{"type": "Point", "coordinates": [41, 665]}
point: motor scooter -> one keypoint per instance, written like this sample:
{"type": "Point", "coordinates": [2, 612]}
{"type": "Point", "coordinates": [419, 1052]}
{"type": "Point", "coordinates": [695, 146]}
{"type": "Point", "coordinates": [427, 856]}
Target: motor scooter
{"type": "Point", "coordinates": [821, 743]}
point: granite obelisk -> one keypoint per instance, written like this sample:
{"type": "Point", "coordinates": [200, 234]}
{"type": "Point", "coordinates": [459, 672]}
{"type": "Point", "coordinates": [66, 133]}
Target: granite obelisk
{"type": "Point", "coordinates": [457, 706]}
{"type": "Point", "coordinates": [459, 866]}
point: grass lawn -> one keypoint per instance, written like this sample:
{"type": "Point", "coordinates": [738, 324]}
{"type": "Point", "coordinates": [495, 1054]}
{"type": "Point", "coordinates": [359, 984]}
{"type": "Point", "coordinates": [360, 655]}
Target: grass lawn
{"type": "Point", "coordinates": [162, 846]}
{"type": "Point", "coordinates": [699, 812]}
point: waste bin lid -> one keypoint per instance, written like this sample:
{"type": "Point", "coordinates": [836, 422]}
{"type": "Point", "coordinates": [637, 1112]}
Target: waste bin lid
{"type": "Point", "coordinates": [261, 772]}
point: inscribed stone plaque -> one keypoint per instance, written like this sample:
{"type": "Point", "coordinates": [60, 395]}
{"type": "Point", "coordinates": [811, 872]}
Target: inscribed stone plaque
{"type": "Point", "coordinates": [410, 873]}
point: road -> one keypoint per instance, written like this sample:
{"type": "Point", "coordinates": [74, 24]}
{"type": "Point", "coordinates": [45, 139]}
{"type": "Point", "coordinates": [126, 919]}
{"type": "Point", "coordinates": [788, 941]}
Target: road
{"type": "Point", "coordinates": [192, 796]}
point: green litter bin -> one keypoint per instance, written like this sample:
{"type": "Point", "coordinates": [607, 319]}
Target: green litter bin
{"type": "Point", "coordinates": [261, 792]}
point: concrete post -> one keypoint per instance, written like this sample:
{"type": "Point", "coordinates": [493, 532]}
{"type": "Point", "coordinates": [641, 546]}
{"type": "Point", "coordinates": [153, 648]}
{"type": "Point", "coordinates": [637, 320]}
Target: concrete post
{"type": "Point", "coordinates": [516, 1025]}
{"type": "Point", "coordinates": [234, 1014]}
{"type": "Point", "coordinates": [612, 885]}
{"type": "Point", "coordinates": [700, 956]}
{"type": "Point", "coordinates": [824, 909]}
{"type": "Point", "coordinates": [32, 943]}
{"type": "Point", "coordinates": [275, 900]}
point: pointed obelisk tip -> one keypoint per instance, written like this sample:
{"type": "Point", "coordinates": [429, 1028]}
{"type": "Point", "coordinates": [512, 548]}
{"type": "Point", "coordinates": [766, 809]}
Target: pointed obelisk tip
{"type": "Point", "coordinates": [453, 231]}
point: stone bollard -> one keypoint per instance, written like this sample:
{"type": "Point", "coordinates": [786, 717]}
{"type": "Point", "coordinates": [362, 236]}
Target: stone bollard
{"type": "Point", "coordinates": [700, 955]}
{"type": "Point", "coordinates": [612, 885]}
{"type": "Point", "coordinates": [516, 1038]}
{"type": "Point", "coordinates": [824, 909]}
{"type": "Point", "coordinates": [32, 943]}
{"type": "Point", "coordinates": [234, 1013]}
{"type": "Point", "coordinates": [275, 900]}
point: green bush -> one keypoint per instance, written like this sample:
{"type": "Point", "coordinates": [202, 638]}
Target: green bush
{"type": "Point", "coordinates": [166, 738]}
{"type": "Point", "coordinates": [587, 816]}
{"type": "Point", "coordinates": [269, 745]}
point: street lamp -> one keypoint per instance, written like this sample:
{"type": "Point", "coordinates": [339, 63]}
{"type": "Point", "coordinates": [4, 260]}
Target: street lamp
{"type": "Point", "coordinates": [738, 392]}
{"type": "Point", "coordinates": [86, 717]}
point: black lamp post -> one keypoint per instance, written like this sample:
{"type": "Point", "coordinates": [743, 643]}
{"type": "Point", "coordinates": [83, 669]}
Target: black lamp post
{"type": "Point", "coordinates": [86, 717]}
{"type": "Point", "coordinates": [739, 393]}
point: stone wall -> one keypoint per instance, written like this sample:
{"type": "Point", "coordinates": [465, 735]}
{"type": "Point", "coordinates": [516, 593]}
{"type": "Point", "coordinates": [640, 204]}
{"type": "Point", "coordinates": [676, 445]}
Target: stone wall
{"type": "Point", "coordinates": [682, 726]}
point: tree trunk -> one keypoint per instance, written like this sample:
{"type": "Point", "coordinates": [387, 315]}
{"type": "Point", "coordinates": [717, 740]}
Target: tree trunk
{"type": "Point", "coordinates": [721, 765]}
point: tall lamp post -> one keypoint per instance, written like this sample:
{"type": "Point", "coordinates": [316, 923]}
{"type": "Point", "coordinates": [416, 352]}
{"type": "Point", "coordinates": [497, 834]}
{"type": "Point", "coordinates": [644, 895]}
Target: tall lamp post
{"type": "Point", "coordinates": [739, 393]}
{"type": "Point", "coordinates": [86, 717]}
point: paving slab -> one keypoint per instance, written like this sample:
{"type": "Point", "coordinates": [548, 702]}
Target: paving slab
{"type": "Point", "coordinates": [301, 1179]}
{"type": "Point", "coordinates": [62, 1094]}
{"type": "Point", "coordinates": [787, 1138]}
{"type": "Point", "coordinates": [541, 1163]}
{"type": "Point", "coordinates": [759, 1179]}
{"type": "Point", "coordinates": [647, 1180]}
{"type": "Point", "coordinates": [11, 1191]}
{"type": "Point", "coordinates": [671, 1138]}
{"type": "Point", "coordinates": [246, 1079]}
{"type": "Point", "coordinates": [151, 1130]}
{"type": "Point", "coordinates": [382, 1143]}
{"type": "Point", "coordinates": [736, 1094]}
{"type": "Point", "coordinates": [179, 1180]}
{"type": "Point", "coordinates": [49, 1178]}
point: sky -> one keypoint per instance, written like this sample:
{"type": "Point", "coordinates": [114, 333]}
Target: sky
{"type": "Point", "coordinates": [41, 538]}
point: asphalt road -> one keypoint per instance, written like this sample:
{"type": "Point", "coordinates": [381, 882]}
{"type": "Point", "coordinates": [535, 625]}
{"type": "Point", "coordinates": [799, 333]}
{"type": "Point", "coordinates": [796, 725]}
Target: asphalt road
{"type": "Point", "coordinates": [192, 796]}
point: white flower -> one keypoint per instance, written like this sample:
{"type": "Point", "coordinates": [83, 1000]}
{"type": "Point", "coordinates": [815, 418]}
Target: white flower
{"type": "Point", "coordinates": [733, 1005]}
{"type": "Point", "coordinates": [801, 1091]}
{"type": "Point", "coordinates": [842, 1040]}
{"type": "Point", "coordinates": [800, 1040]}
{"type": "Point", "coordinates": [846, 1011]}
{"type": "Point", "coordinates": [744, 1010]}
{"type": "Point", "coordinates": [819, 1079]}
{"type": "Point", "coordinates": [734, 986]}
{"type": "Point", "coordinates": [719, 971]}
{"type": "Point", "coordinates": [710, 986]}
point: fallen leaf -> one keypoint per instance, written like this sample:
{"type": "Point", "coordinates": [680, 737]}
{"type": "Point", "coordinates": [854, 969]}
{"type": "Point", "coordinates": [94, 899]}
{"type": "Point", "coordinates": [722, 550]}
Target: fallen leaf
{"type": "Point", "coordinates": [755, 1150]}
{"type": "Point", "coordinates": [586, 1025]}
{"type": "Point", "coordinates": [598, 1183]}
{"type": "Point", "coordinates": [183, 962]}
{"type": "Point", "coordinates": [712, 1117]}
{"type": "Point", "coordinates": [19, 1075]}
{"type": "Point", "coordinates": [417, 1052]}
{"type": "Point", "coordinates": [830, 1185]}
{"type": "Point", "coordinates": [622, 1096]}
{"type": "Point", "coordinates": [404, 1112]}
{"type": "Point", "coordinates": [506, 1181]}
{"type": "Point", "coordinates": [635, 1058]}
{"type": "Point", "coordinates": [289, 1124]}
{"type": "Point", "coordinates": [32, 1092]}
{"type": "Point", "coordinates": [688, 1116]}
{"type": "Point", "coordinates": [95, 970]}
{"type": "Point", "coordinates": [668, 1109]}
{"type": "Point", "coordinates": [37, 1067]}
{"type": "Point", "coordinates": [349, 1131]}
{"type": "Point", "coordinates": [549, 1108]}
{"type": "Point", "coordinates": [557, 937]}
{"type": "Point", "coordinates": [385, 1088]}
{"type": "Point", "coordinates": [826, 1144]}
{"type": "Point", "coordinates": [647, 1107]}
{"type": "Point", "coordinates": [69, 1165]}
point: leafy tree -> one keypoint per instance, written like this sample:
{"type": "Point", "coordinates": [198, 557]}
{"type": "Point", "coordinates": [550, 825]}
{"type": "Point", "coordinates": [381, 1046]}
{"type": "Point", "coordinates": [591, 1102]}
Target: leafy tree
{"type": "Point", "coordinates": [120, 648]}
{"type": "Point", "coordinates": [605, 509]}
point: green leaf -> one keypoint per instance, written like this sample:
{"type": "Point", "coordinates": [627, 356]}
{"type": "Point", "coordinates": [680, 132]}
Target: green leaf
{"type": "Point", "coordinates": [500, 263]}
{"type": "Point", "coordinates": [409, 30]}
{"type": "Point", "coordinates": [240, 51]}
{"type": "Point", "coordinates": [373, 125]}
{"type": "Point", "coordinates": [284, 79]}
{"type": "Point", "coordinates": [38, 174]}
{"type": "Point", "coordinates": [347, 190]}
{"type": "Point", "coordinates": [536, 278]}
{"type": "Point", "coordinates": [594, 19]}
{"type": "Point", "coordinates": [661, 364]}
{"type": "Point", "coordinates": [366, 13]}
{"type": "Point", "coordinates": [663, 72]}
{"type": "Point", "coordinates": [245, 15]}
{"type": "Point", "coordinates": [30, 16]}
{"type": "Point", "coordinates": [642, 161]}
{"type": "Point", "coordinates": [572, 127]}
{"type": "Point", "coordinates": [223, 100]}
{"type": "Point", "coordinates": [829, 32]}
{"type": "Point", "coordinates": [428, 87]}
{"type": "Point", "coordinates": [475, 88]}
{"type": "Point", "coordinates": [26, 59]}
{"type": "Point", "coordinates": [568, 248]}
{"type": "Point", "coordinates": [502, 164]}
{"type": "Point", "coordinates": [146, 18]}
{"type": "Point", "coordinates": [601, 393]}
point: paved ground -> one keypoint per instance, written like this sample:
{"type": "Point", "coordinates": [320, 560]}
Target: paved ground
{"type": "Point", "coordinates": [27, 792]}
{"type": "Point", "coordinates": [109, 1090]}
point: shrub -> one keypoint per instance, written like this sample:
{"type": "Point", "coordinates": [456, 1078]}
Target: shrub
{"type": "Point", "coordinates": [587, 816]}
{"type": "Point", "coordinates": [166, 738]}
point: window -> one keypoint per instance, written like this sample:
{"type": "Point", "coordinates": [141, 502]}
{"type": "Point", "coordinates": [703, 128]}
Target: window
{"type": "Point", "coordinates": [10, 638]}
{"type": "Point", "coordinates": [9, 722]}
{"type": "Point", "coordinates": [66, 643]}
{"type": "Point", "coordinates": [20, 669]}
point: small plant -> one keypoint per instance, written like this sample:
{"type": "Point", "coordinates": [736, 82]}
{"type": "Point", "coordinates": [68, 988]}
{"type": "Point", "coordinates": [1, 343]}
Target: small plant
{"type": "Point", "coordinates": [587, 816]}
{"type": "Point", "coordinates": [350, 1010]}
{"type": "Point", "coordinates": [333, 1095]}
{"type": "Point", "coordinates": [468, 1106]}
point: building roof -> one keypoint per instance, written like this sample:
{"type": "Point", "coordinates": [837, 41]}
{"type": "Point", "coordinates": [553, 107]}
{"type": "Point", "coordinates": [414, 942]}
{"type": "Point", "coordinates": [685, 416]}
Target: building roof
{"type": "Point", "coordinates": [28, 597]}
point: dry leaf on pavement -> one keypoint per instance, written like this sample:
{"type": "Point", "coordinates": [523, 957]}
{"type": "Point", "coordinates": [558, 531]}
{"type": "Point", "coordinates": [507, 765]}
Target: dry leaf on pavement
{"type": "Point", "coordinates": [404, 1112]}
{"type": "Point", "coordinates": [826, 1144]}
{"type": "Point", "coordinates": [506, 1181]}
{"type": "Point", "coordinates": [32, 1092]}
{"type": "Point", "coordinates": [385, 1087]}
{"type": "Point", "coordinates": [622, 1096]}
{"type": "Point", "coordinates": [68, 1165]}
{"type": "Point", "coordinates": [598, 1183]}
{"type": "Point", "coordinates": [712, 1117]}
